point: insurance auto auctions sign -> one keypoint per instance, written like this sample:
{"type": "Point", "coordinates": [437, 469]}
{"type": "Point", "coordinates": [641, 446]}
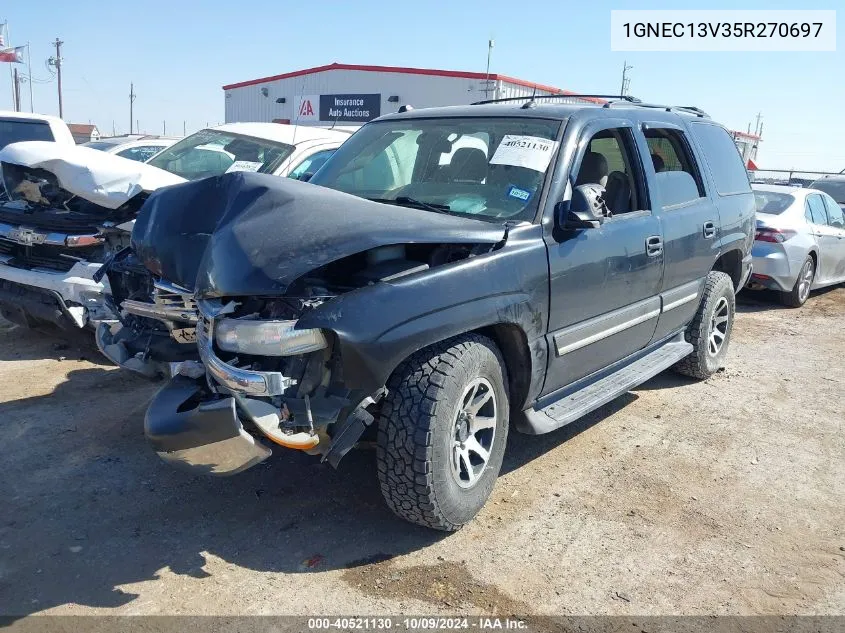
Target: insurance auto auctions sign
{"type": "Point", "coordinates": [350, 108]}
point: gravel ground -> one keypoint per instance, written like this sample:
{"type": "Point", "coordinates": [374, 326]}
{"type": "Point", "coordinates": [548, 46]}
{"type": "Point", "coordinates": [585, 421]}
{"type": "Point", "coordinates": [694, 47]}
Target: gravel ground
{"type": "Point", "coordinates": [718, 497]}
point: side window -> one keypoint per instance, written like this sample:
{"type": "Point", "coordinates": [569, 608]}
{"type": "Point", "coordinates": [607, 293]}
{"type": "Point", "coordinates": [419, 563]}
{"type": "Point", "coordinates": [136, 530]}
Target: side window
{"type": "Point", "coordinates": [611, 161]}
{"type": "Point", "coordinates": [311, 164]}
{"type": "Point", "coordinates": [723, 159]}
{"type": "Point", "coordinates": [678, 176]}
{"type": "Point", "coordinates": [815, 210]}
{"type": "Point", "coordinates": [835, 216]}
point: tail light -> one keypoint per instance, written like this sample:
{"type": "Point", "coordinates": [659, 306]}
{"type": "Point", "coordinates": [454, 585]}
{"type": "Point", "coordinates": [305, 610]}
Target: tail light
{"type": "Point", "coordinates": [773, 235]}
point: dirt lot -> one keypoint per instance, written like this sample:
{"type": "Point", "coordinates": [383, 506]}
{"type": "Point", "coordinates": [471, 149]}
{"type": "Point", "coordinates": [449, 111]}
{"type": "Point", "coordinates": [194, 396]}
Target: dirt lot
{"type": "Point", "coordinates": [680, 498]}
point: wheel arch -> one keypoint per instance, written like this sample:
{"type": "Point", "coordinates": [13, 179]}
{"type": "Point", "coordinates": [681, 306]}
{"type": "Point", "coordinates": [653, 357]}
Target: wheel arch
{"type": "Point", "coordinates": [512, 342]}
{"type": "Point", "coordinates": [730, 263]}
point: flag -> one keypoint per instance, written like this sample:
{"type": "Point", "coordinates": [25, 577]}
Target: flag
{"type": "Point", "coordinates": [12, 55]}
{"type": "Point", "coordinates": [2, 35]}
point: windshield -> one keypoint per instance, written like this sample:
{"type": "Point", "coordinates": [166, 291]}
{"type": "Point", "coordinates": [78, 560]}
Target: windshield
{"type": "Point", "coordinates": [100, 145]}
{"type": "Point", "coordinates": [491, 168]}
{"type": "Point", "coordinates": [13, 131]}
{"type": "Point", "coordinates": [834, 188]}
{"type": "Point", "coordinates": [772, 202]}
{"type": "Point", "coordinates": [214, 152]}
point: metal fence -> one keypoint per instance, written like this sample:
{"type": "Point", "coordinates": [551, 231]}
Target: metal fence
{"type": "Point", "coordinates": [791, 177]}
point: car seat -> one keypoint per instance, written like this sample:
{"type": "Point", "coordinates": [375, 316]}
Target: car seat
{"type": "Point", "coordinates": [593, 170]}
{"type": "Point", "coordinates": [469, 164]}
{"type": "Point", "coordinates": [617, 192]}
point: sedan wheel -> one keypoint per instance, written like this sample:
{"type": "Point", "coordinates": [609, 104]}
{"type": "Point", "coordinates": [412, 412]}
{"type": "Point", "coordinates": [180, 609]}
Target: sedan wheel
{"type": "Point", "coordinates": [800, 292]}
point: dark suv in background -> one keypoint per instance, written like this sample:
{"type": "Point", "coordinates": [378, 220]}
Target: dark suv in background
{"type": "Point", "coordinates": [458, 271]}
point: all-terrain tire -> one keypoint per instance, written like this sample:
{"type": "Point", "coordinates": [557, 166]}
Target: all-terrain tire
{"type": "Point", "coordinates": [798, 296]}
{"type": "Point", "coordinates": [417, 426]}
{"type": "Point", "coordinates": [718, 297]}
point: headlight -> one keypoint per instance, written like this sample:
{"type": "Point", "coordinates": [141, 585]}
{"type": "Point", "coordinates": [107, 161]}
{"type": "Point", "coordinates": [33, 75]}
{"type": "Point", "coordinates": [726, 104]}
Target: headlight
{"type": "Point", "coordinates": [266, 338]}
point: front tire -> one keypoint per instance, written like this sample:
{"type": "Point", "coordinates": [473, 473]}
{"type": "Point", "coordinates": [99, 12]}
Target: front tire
{"type": "Point", "coordinates": [710, 330]}
{"type": "Point", "coordinates": [800, 292]}
{"type": "Point", "coordinates": [442, 432]}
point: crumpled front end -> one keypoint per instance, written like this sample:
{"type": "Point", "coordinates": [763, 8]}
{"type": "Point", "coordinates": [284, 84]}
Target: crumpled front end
{"type": "Point", "coordinates": [59, 221]}
{"type": "Point", "coordinates": [262, 378]}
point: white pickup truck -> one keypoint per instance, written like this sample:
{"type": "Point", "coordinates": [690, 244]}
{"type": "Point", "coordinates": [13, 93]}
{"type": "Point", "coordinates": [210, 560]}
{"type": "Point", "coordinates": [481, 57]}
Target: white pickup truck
{"type": "Point", "coordinates": [69, 207]}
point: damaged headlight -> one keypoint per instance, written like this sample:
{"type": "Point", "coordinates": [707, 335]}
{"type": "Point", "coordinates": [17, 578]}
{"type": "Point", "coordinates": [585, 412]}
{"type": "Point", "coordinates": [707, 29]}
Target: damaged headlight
{"type": "Point", "coordinates": [267, 338]}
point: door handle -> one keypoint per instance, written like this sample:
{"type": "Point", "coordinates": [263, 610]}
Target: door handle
{"type": "Point", "coordinates": [654, 245]}
{"type": "Point", "coordinates": [709, 229]}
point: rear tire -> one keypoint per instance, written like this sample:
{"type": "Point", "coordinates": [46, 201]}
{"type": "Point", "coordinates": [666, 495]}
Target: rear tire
{"type": "Point", "coordinates": [800, 292]}
{"type": "Point", "coordinates": [710, 330]}
{"type": "Point", "coordinates": [442, 432]}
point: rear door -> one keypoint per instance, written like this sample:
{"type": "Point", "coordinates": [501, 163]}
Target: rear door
{"type": "Point", "coordinates": [604, 282]}
{"type": "Point", "coordinates": [689, 219]}
{"type": "Point", "coordinates": [836, 232]}
{"type": "Point", "coordinates": [826, 238]}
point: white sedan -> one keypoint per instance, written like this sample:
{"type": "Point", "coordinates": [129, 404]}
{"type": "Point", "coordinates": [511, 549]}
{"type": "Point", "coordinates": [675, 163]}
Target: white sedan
{"type": "Point", "coordinates": [133, 146]}
{"type": "Point", "coordinates": [800, 242]}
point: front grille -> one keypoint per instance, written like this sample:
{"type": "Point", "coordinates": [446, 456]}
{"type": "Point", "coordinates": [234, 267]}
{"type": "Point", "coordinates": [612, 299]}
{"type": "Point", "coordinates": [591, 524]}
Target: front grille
{"type": "Point", "coordinates": [46, 256]}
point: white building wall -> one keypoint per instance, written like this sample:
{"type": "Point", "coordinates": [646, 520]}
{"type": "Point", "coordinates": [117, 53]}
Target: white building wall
{"type": "Point", "coordinates": [250, 103]}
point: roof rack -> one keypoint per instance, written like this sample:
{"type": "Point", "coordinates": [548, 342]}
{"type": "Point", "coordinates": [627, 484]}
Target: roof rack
{"type": "Point", "coordinates": [534, 97]}
{"type": "Point", "coordinates": [689, 109]}
{"type": "Point", "coordinates": [625, 100]}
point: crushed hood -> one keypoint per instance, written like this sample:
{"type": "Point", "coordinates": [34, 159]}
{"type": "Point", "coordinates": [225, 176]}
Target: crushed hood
{"type": "Point", "coordinates": [103, 179]}
{"type": "Point", "coordinates": [248, 234]}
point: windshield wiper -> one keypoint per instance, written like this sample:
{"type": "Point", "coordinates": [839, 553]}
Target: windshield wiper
{"type": "Point", "coordinates": [405, 201]}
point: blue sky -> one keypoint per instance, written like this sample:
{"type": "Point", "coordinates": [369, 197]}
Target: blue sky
{"type": "Point", "coordinates": [180, 53]}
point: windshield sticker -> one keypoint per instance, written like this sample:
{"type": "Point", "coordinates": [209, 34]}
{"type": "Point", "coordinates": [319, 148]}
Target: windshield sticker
{"type": "Point", "coordinates": [519, 194]}
{"type": "Point", "coordinates": [531, 152]}
{"type": "Point", "coordinates": [244, 165]}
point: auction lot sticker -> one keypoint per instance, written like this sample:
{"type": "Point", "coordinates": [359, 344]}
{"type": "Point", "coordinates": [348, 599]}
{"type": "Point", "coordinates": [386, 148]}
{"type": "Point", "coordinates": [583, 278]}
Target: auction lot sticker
{"type": "Point", "coordinates": [532, 152]}
{"type": "Point", "coordinates": [722, 30]}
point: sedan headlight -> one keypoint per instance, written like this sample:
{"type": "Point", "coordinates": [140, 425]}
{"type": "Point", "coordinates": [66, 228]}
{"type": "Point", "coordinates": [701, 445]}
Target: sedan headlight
{"type": "Point", "coordinates": [266, 338]}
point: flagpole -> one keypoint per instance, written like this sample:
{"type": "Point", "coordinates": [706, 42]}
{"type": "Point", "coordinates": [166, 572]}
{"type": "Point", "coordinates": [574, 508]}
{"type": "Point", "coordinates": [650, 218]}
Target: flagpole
{"type": "Point", "coordinates": [29, 68]}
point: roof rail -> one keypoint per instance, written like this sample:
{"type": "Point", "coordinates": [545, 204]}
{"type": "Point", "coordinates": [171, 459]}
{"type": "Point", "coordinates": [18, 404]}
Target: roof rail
{"type": "Point", "coordinates": [534, 97]}
{"type": "Point", "coordinates": [689, 109]}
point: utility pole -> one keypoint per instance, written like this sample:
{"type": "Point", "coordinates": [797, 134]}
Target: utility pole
{"type": "Point", "coordinates": [184, 127]}
{"type": "Point", "coordinates": [29, 72]}
{"type": "Point", "coordinates": [58, 63]}
{"type": "Point", "coordinates": [132, 96]}
{"type": "Point", "coordinates": [164, 128]}
{"type": "Point", "coordinates": [17, 95]}
{"type": "Point", "coordinates": [487, 74]}
{"type": "Point", "coordinates": [625, 79]}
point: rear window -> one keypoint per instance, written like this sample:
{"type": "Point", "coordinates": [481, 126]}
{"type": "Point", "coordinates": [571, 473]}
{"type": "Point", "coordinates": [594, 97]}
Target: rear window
{"type": "Point", "coordinates": [834, 188]}
{"type": "Point", "coordinates": [723, 159]}
{"type": "Point", "coordinates": [772, 202]}
{"type": "Point", "coordinates": [14, 131]}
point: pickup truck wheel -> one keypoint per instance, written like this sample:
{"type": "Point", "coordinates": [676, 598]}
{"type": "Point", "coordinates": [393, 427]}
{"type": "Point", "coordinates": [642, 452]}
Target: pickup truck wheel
{"type": "Point", "coordinates": [800, 292]}
{"type": "Point", "coordinates": [442, 432]}
{"type": "Point", "coordinates": [710, 330]}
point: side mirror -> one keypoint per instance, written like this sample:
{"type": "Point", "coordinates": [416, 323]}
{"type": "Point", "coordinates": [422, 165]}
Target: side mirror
{"type": "Point", "coordinates": [586, 210]}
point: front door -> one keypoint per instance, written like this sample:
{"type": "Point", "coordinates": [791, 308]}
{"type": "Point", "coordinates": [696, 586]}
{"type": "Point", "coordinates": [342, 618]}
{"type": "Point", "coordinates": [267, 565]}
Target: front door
{"type": "Point", "coordinates": [604, 282]}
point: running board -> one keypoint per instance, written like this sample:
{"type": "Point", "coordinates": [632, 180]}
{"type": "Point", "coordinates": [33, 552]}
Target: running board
{"type": "Point", "coordinates": [575, 405]}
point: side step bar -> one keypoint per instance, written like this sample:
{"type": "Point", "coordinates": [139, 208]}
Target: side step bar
{"type": "Point", "coordinates": [575, 405]}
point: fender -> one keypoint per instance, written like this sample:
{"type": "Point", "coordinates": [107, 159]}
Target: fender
{"type": "Point", "coordinates": [379, 326]}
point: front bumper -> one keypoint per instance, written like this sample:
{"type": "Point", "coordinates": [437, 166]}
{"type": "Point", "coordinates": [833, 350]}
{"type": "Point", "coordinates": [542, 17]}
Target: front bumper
{"type": "Point", "coordinates": [79, 299]}
{"type": "Point", "coordinates": [202, 437]}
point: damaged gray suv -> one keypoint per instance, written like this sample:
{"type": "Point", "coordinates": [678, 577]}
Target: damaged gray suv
{"type": "Point", "coordinates": [458, 272]}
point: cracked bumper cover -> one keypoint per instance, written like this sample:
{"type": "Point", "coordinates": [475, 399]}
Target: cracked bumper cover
{"type": "Point", "coordinates": [201, 437]}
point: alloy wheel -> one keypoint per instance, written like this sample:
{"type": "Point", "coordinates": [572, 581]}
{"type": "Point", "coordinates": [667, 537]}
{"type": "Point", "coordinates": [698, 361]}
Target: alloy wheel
{"type": "Point", "coordinates": [473, 432]}
{"type": "Point", "coordinates": [805, 281]}
{"type": "Point", "coordinates": [719, 324]}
